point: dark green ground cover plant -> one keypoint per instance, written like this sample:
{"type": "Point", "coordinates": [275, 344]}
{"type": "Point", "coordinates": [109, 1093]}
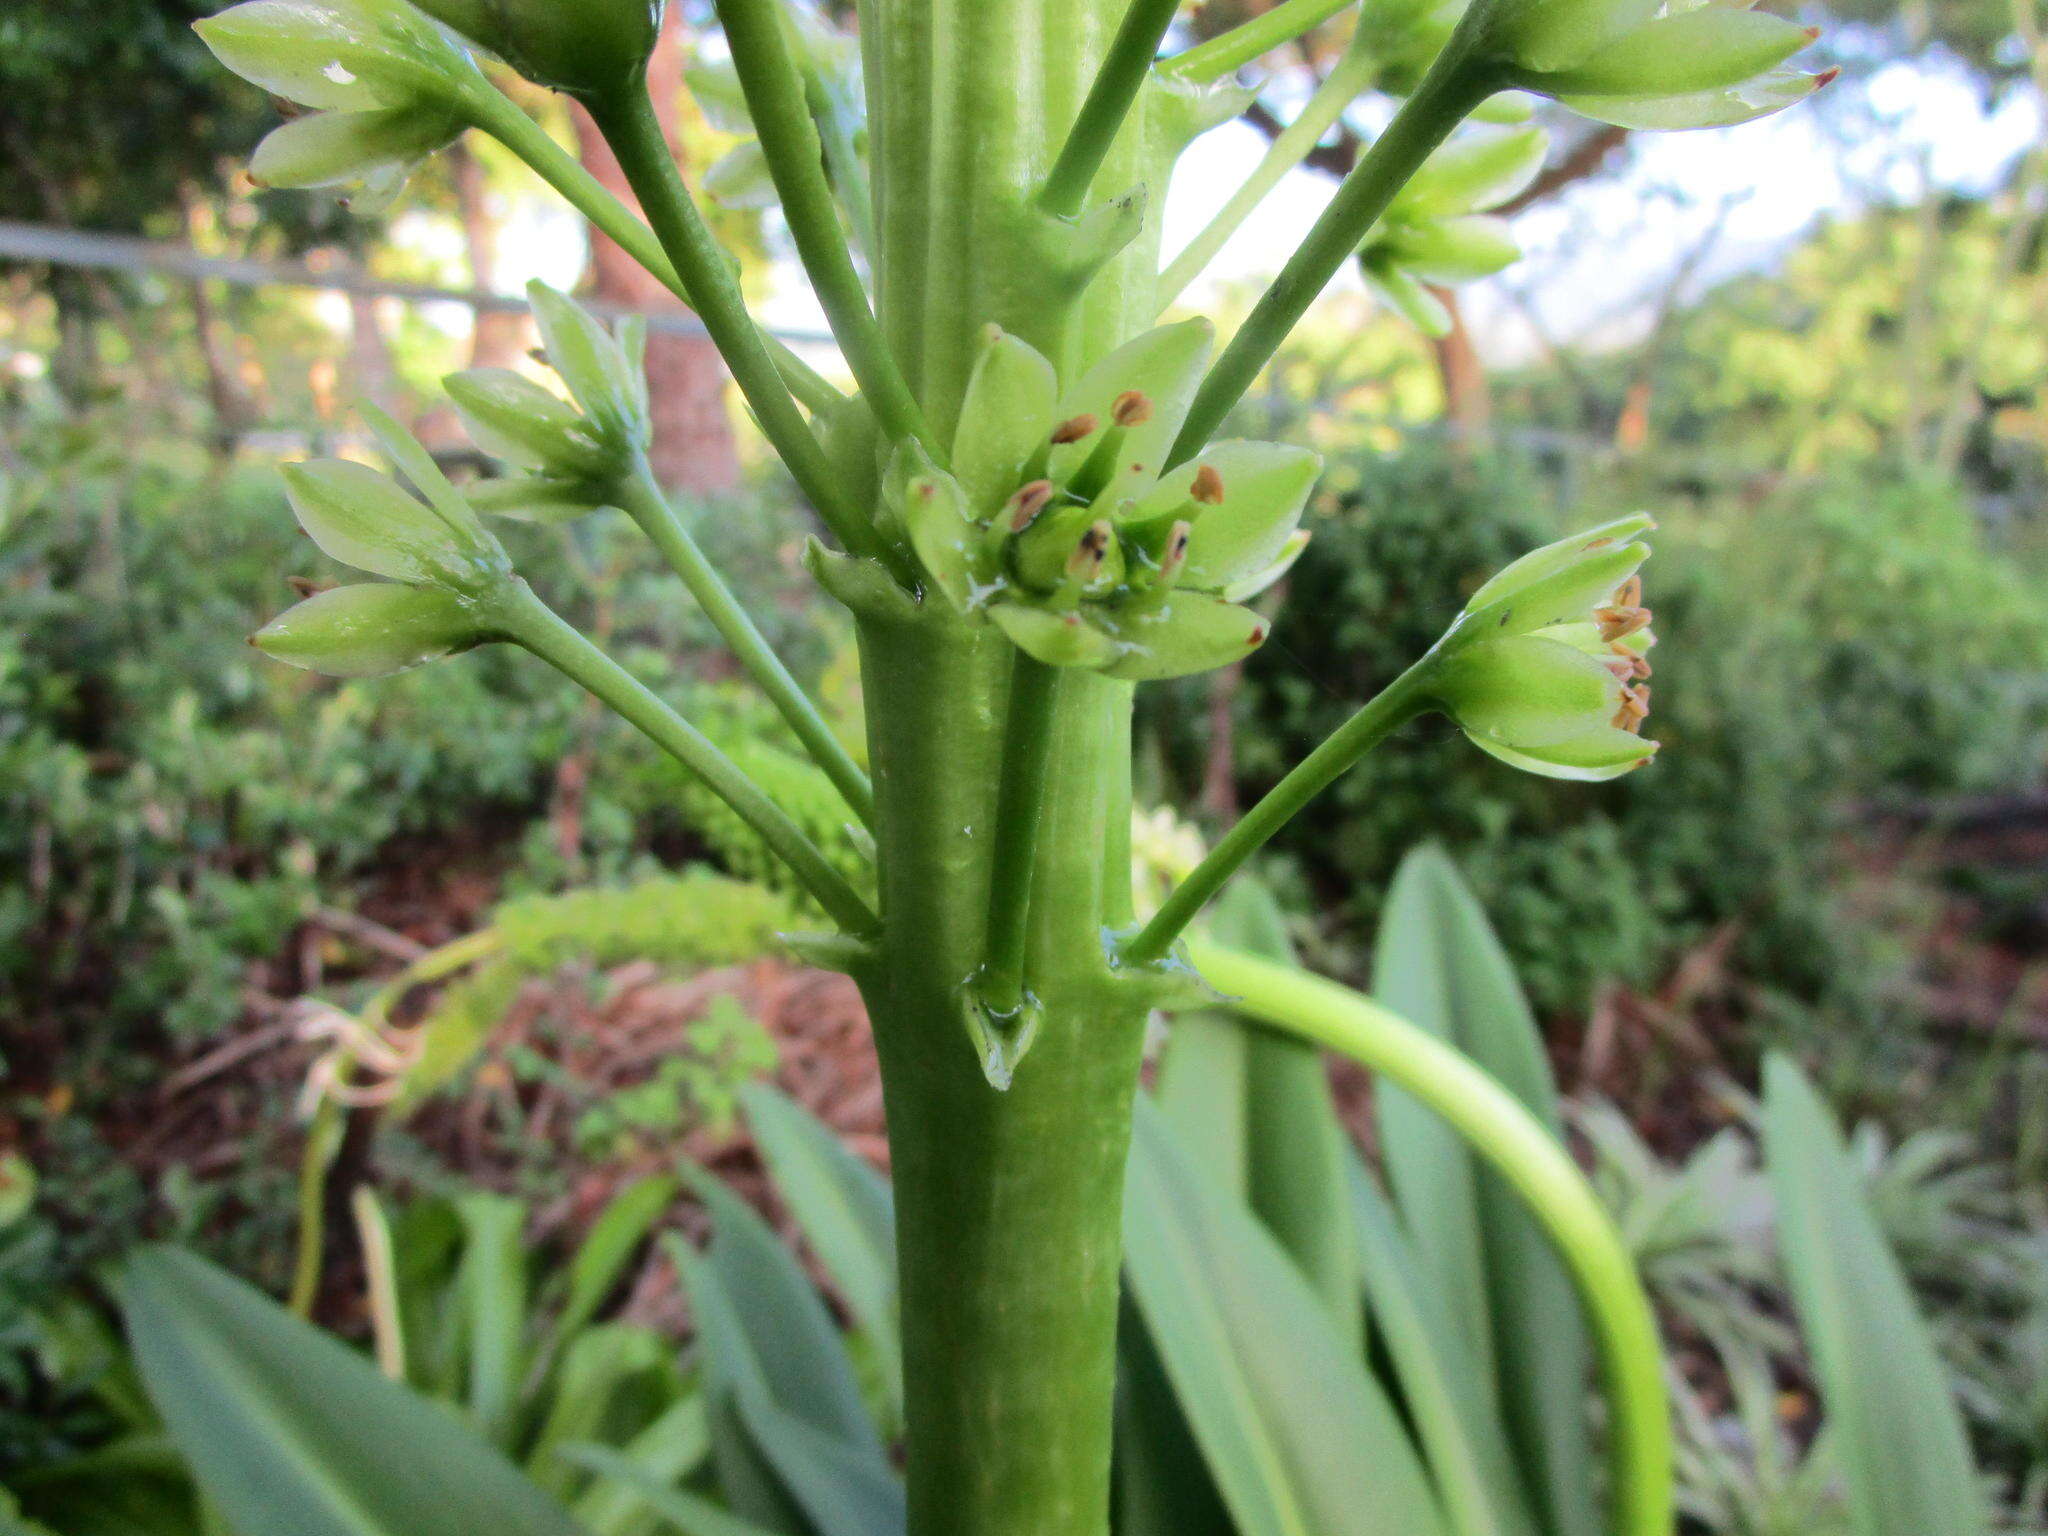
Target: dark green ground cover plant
{"type": "Point", "coordinates": [1033, 514]}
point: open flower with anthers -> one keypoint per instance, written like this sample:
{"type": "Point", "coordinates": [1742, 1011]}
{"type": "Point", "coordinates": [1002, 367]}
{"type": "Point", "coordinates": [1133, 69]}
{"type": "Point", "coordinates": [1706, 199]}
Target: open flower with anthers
{"type": "Point", "coordinates": [1058, 525]}
{"type": "Point", "coordinates": [1547, 667]}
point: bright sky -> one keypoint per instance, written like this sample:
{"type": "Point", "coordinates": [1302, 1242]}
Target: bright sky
{"type": "Point", "coordinates": [1596, 254]}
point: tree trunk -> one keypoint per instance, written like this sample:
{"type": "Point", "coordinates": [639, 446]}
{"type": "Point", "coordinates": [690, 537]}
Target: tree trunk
{"type": "Point", "coordinates": [693, 439]}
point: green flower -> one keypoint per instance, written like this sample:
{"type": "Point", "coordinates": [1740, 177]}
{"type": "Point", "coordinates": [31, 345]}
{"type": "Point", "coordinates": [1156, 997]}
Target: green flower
{"type": "Point", "coordinates": [387, 84]}
{"type": "Point", "coordinates": [1436, 230]}
{"type": "Point", "coordinates": [1057, 525]}
{"type": "Point", "coordinates": [576, 450]}
{"type": "Point", "coordinates": [442, 568]}
{"type": "Point", "coordinates": [1546, 668]}
{"type": "Point", "coordinates": [1653, 64]}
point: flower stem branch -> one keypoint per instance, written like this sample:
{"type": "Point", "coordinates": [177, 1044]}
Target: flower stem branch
{"type": "Point", "coordinates": [499, 116]}
{"type": "Point", "coordinates": [1108, 103]}
{"type": "Point", "coordinates": [1495, 1124]}
{"type": "Point", "coordinates": [777, 101]}
{"type": "Point", "coordinates": [1232, 50]}
{"type": "Point", "coordinates": [647, 506]}
{"type": "Point", "coordinates": [634, 133]}
{"type": "Point", "coordinates": [1350, 76]}
{"type": "Point", "coordinates": [536, 626]}
{"type": "Point", "coordinates": [1020, 793]}
{"type": "Point", "coordinates": [1449, 91]}
{"type": "Point", "coordinates": [1394, 706]}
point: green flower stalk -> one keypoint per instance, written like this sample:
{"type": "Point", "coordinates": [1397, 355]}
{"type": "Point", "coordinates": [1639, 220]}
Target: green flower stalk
{"type": "Point", "coordinates": [1034, 512]}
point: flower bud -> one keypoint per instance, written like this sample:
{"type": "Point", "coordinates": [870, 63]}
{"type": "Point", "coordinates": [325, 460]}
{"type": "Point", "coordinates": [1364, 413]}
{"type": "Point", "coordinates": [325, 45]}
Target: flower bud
{"type": "Point", "coordinates": [370, 629]}
{"type": "Point", "coordinates": [376, 150]}
{"type": "Point", "coordinates": [602, 372]}
{"type": "Point", "coordinates": [590, 48]}
{"type": "Point", "coordinates": [351, 55]}
{"type": "Point", "coordinates": [512, 418]}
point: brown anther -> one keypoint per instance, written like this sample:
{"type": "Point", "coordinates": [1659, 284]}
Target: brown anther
{"type": "Point", "coordinates": [305, 586]}
{"type": "Point", "coordinates": [1257, 636]}
{"type": "Point", "coordinates": [1635, 708]}
{"type": "Point", "coordinates": [1028, 503]}
{"type": "Point", "coordinates": [1826, 77]}
{"type": "Point", "coordinates": [1130, 408]}
{"type": "Point", "coordinates": [1074, 429]}
{"type": "Point", "coordinates": [1208, 486]}
{"type": "Point", "coordinates": [1617, 623]}
{"type": "Point", "coordinates": [1176, 553]}
{"type": "Point", "coordinates": [1086, 561]}
{"type": "Point", "coordinates": [1630, 593]}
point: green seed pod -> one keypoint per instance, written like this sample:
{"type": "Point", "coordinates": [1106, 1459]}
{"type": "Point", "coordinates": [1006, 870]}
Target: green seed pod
{"type": "Point", "coordinates": [351, 55]}
{"type": "Point", "coordinates": [592, 48]}
{"type": "Point", "coordinates": [370, 630]}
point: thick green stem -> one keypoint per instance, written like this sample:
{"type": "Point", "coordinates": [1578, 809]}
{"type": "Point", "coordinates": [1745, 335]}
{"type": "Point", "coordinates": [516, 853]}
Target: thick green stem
{"type": "Point", "coordinates": [1449, 91]}
{"type": "Point", "coordinates": [1524, 1153]}
{"type": "Point", "coordinates": [1008, 1203]}
{"type": "Point", "coordinates": [634, 133]}
{"type": "Point", "coordinates": [789, 141]}
{"type": "Point", "coordinates": [1250, 40]}
{"type": "Point", "coordinates": [497, 115]}
{"type": "Point", "coordinates": [647, 506]}
{"type": "Point", "coordinates": [1352, 74]}
{"type": "Point", "coordinates": [1109, 101]}
{"type": "Point", "coordinates": [533, 624]}
{"type": "Point", "coordinates": [1394, 706]}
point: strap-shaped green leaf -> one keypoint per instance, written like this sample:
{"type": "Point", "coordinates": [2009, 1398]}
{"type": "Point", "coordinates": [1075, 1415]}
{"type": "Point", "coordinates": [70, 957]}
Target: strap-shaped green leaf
{"type": "Point", "coordinates": [1896, 1432]}
{"type": "Point", "coordinates": [844, 1208]}
{"type": "Point", "coordinates": [288, 1430]}
{"type": "Point", "coordinates": [1300, 1440]}
{"type": "Point", "coordinates": [1470, 1460]}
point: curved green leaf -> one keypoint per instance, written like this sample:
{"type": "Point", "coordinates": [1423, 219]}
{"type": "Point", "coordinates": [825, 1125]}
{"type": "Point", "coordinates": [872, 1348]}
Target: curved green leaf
{"type": "Point", "coordinates": [288, 1430]}
{"type": "Point", "coordinates": [1300, 1440]}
